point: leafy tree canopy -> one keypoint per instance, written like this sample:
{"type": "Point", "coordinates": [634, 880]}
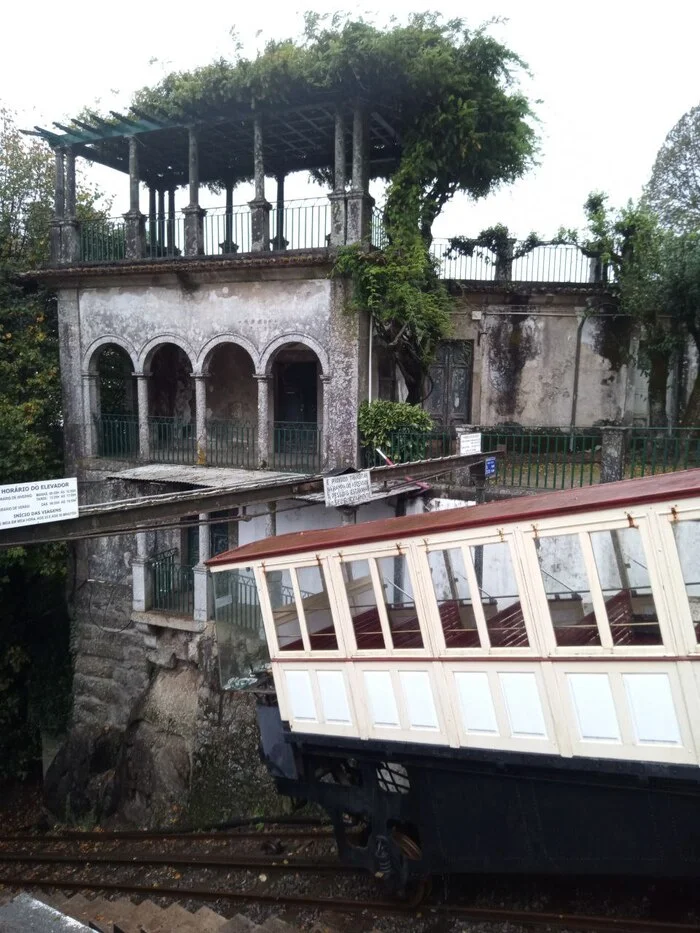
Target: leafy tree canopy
{"type": "Point", "coordinates": [673, 191]}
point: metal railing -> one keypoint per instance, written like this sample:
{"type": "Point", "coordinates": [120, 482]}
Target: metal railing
{"type": "Point", "coordinates": [296, 447]}
{"type": "Point", "coordinates": [102, 240]}
{"type": "Point", "coordinates": [378, 237]}
{"type": "Point", "coordinates": [306, 224]}
{"type": "Point", "coordinates": [242, 609]}
{"type": "Point", "coordinates": [173, 585]}
{"type": "Point", "coordinates": [545, 458]}
{"type": "Point", "coordinates": [165, 237]}
{"type": "Point", "coordinates": [661, 450]}
{"type": "Point", "coordinates": [549, 263]}
{"type": "Point", "coordinates": [227, 232]}
{"type": "Point", "coordinates": [172, 440]}
{"type": "Point", "coordinates": [233, 444]}
{"type": "Point", "coordinates": [406, 446]}
{"type": "Point", "coordinates": [118, 437]}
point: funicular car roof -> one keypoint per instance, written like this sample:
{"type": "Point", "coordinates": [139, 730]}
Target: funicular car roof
{"type": "Point", "coordinates": [668, 486]}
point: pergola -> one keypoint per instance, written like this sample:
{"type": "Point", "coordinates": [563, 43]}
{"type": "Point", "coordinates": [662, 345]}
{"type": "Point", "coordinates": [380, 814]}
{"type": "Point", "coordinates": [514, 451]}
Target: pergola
{"type": "Point", "coordinates": [352, 140]}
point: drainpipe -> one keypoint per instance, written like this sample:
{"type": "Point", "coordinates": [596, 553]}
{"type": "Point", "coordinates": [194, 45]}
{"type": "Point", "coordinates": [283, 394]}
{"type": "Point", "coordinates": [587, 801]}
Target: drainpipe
{"type": "Point", "coordinates": [369, 360]}
{"type": "Point", "coordinates": [577, 370]}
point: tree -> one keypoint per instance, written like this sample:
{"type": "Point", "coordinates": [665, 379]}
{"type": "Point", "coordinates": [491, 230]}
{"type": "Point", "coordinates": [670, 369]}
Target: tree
{"type": "Point", "coordinates": [673, 191]}
{"type": "Point", "coordinates": [466, 127]}
{"type": "Point", "coordinates": [34, 628]}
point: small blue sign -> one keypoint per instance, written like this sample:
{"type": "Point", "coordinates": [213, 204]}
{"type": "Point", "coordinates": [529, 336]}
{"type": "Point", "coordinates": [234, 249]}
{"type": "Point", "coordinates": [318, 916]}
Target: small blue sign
{"type": "Point", "coordinates": [490, 466]}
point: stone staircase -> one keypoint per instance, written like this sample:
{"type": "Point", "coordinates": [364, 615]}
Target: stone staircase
{"type": "Point", "coordinates": [124, 916]}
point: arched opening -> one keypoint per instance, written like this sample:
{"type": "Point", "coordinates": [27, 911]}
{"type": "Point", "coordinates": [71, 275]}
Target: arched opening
{"type": "Point", "coordinates": [116, 410]}
{"type": "Point", "coordinates": [171, 406]}
{"type": "Point", "coordinates": [232, 407]}
{"type": "Point", "coordinates": [298, 408]}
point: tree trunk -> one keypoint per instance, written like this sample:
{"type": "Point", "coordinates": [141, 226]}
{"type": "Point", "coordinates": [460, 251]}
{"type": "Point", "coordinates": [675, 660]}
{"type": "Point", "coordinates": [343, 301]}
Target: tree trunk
{"type": "Point", "coordinates": [691, 415]}
{"type": "Point", "coordinates": [658, 381]}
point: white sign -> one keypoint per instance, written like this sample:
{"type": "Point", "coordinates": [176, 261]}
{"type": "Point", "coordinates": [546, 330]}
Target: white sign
{"type": "Point", "coordinates": [469, 444]}
{"type": "Point", "coordinates": [439, 505]}
{"type": "Point", "coordinates": [350, 489]}
{"type": "Point", "coordinates": [49, 500]}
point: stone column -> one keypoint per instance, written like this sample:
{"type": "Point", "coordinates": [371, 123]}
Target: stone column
{"type": "Point", "coordinates": [612, 462]}
{"type": "Point", "coordinates": [259, 206]}
{"type": "Point", "coordinates": [152, 229]}
{"type": "Point", "coordinates": [194, 215]}
{"type": "Point", "coordinates": [504, 264]}
{"type": "Point", "coordinates": [263, 381]}
{"type": "Point", "coordinates": [338, 443]}
{"type": "Point", "coordinates": [359, 202]}
{"type": "Point", "coordinates": [228, 246]}
{"type": "Point", "coordinates": [348, 514]}
{"type": "Point", "coordinates": [171, 222]}
{"type": "Point", "coordinates": [271, 520]}
{"type": "Point", "coordinates": [135, 231]}
{"type": "Point", "coordinates": [161, 221]}
{"type": "Point", "coordinates": [337, 197]}
{"type": "Point", "coordinates": [59, 207]}
{"type": "Point", "coordinates": [200, 394]}
{"type": "Point", "coordinates": [279, 242]}
{"type": "Point", "coordinates": [144, 431]}
{"type": "Point", "coordinates": [141, 576]}
{"type": "Point", "coordinates": [91, 416]}
{"type": "Point", "coordinates": [70, 238]}
{"type": "Point", "coordinates": [203, 590]}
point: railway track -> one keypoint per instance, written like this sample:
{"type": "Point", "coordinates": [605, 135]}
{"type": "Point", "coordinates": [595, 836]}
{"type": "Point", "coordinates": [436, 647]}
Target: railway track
{"type": "Point", "coordinates": [40, 864]}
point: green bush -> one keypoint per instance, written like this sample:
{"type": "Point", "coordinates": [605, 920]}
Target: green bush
{"type": "Point", "coordinates": [398, 428]}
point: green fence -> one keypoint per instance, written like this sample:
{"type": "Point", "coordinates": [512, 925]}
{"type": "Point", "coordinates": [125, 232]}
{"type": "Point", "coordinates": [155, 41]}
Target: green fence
{"type": "Point", "coordinates": [102, 240]}
{"type": "Point", "coordinates": [296, 447]}
{"type": "Point", "coordinates": [661, 450]}
{"type": "Point", "coordinates": [172, 440]}
{"type": "Point", "coordinates": [118, 437]}
{"type": "Point", "coordinates": [407, 446]}
{"type": "Point", "coordinates": [545, 459]}
{"type": "Point", "coordinates": [233, 444]}
{"type": "Point", "coordinates": [173, 585]}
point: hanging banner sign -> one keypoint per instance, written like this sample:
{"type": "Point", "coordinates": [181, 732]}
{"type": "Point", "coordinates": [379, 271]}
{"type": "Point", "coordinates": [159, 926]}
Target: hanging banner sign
{"type": "Point", "coordinates": [469, 444]}
{"type": "Point", "coordinates": [49, 500]}
{"type": "Point", "coordinates": [349, 489]}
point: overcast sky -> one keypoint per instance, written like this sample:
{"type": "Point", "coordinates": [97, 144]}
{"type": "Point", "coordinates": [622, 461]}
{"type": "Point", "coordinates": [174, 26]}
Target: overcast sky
{"type": "Point", "coordinates": [612, 78]}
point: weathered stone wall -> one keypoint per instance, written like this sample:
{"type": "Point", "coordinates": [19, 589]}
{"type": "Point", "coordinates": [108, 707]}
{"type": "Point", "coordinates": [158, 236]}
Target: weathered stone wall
{"type": "Point", "coordinates": [525, 350]}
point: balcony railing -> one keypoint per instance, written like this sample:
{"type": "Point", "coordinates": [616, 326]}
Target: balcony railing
{"type": "Point", "coordinates": [232, 444]}
{"type": "Point", "coordinates": [296, 447]}
{"type": "Point", "coordinates": [172, 440]}
{"type": "Point", "coordinates": [173, 585]}
{"type": "Point", "coordinates": [102, 240]}
{"type": "Point", "coordinates": [407, 446]}
{"type": "Point", "coordinates": [118, 437]}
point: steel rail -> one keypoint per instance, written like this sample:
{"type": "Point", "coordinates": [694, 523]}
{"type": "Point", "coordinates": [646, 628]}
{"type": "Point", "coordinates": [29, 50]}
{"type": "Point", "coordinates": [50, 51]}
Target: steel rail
{"type": "Point", "coordinates": [210, 861]}
{"type": "Point", "coordinates": [192, 836]}
{"type": "Point", "coordinates": [527, 918]}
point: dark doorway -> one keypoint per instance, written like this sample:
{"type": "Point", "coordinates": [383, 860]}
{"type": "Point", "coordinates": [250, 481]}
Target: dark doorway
{"type": "Point", "coordinates": [296, 397]}
{"type": "Point", "coordinates": [449, 401]}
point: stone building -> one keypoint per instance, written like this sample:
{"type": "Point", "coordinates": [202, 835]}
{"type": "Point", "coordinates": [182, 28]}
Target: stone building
{"type": "Point", "coordinates": [204, 347]}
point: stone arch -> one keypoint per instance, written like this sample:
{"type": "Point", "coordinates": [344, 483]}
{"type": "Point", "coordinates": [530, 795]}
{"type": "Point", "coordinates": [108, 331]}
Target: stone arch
{"type": "Point", "coordinates": [92, 355]}
{"type": "Point", "coordinates": [147, 351]}
{"type": "Point", "coordinates": [204, 358]}
{"type": "Point", "coordinates": [268, 354]}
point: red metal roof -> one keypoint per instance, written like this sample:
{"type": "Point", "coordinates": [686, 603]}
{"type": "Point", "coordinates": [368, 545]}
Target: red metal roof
{"type": "Point", "coordinates": [668, 486]}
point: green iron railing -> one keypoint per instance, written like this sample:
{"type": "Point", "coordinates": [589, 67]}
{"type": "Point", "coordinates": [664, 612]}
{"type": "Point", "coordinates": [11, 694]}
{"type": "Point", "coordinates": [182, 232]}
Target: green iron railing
{"type": "Point", "coordinates": [227, 232]}
{"type": "Point", "coordinates": [118, 436]}
{"type": "Point", "coordinates": [407, 446]}
{"type": "Point", "coordinates": [232, 443]}
{"type": "Point", "coordinates": [102, 240]}
{"type": "Point", "coordinates": [173, 584]}
{"type": "Point", "coordinates": [303, 224]}
{"type": "Point", "coordinates": [661, 450]}
{"type": "Point", "coordinates": [240, 606]}
{"type": "Point", "coordinates": [544, 459]}
{"type": "Point", "coordinates": [165, 236]}
{"type": "Point", "coordinates": [296, 447]}
{"type": "Point", "coordinates": [378, 237]}
{"type": "Point", "coordinates": [172, 440]}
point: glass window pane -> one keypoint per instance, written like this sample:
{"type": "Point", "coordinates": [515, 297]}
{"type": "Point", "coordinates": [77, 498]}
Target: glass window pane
{"type": "Point", "coordinates": [624, 578]}
{"type": "Point", "coordinates": [568, 590]}
{"type": "Point", "coordinates": [687, 535]}
{"type": "Point", "coordinates": [400, 605]}
{"type": "Point", "coordinates": [453, 598]}
{"type": "Point", "coordinates": [242, 649]}
{"type": "Point", "coordinates": [502, 607]}
{"type": "Point", "coordinates": [317, 609]}
{"type": "Point", "coordinates": [363, 605]}
{"type": "Point", "coordinates": [284, 610]}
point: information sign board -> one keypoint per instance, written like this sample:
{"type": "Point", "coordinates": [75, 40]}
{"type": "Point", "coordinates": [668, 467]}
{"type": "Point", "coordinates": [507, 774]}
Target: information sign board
{"type": "Point", "coordinates": [490, 466]}
{"type": "Point", "coordinates": [349, 489]}
{"type": "Point", "coordinates": [440, 505]}
{"type": "Point", "coordinates": [48, 500]}
{"type": "Point", "coordinates": [469, 444]}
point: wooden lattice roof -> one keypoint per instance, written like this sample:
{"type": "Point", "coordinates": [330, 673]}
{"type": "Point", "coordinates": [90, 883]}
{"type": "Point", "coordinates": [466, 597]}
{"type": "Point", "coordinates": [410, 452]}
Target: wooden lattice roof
{"type": "Point", "coordinates": [296, 137]}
